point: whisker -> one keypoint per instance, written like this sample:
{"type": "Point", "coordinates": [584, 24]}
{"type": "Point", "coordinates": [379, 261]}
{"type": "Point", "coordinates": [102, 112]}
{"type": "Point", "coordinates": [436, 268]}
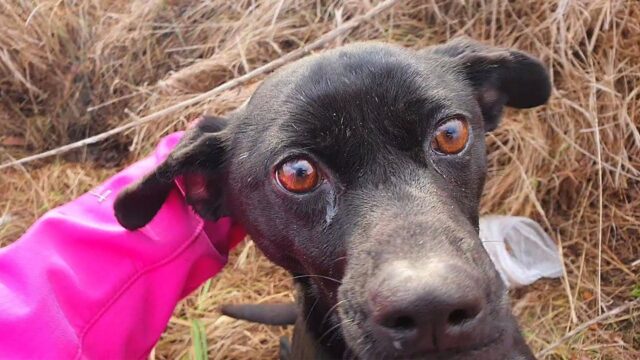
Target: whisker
{"type": "Point", "coordinates": [326, 316]}
{"type": "Point", "coordinates": [311, 310]}
{"type": "Point", "coordinates": [338, 259]}
{"type": "Point", "coordinates": [319, 276]}
{"type": "Point", "coordinates": [333, 328]}
{"type": "Point", "coordinates": [333, 337]}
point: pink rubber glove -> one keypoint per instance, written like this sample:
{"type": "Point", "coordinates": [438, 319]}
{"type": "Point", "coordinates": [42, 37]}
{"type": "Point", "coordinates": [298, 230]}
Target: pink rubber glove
{"type": "Point", "coordinates": [78, 285]}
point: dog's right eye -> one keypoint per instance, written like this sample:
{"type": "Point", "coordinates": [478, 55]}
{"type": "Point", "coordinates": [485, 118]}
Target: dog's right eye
{"type": "Point", "coordinates": [298, 175]}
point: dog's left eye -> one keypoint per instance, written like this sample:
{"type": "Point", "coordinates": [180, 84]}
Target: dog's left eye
{"type": "Point", "coordinates": [298, 175]}
{"type": "Point", "coordinates": [451, 137]}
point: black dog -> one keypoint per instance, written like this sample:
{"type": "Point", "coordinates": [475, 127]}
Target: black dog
{"type": "Point", "coordinates": [360, 171]}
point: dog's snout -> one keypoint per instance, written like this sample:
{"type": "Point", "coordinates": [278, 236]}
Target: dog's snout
{"type": "Point", "coordinates": [438, 307]}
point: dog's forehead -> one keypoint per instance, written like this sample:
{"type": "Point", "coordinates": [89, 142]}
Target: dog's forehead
{"type": "Point", "coordinates": [347, 105]}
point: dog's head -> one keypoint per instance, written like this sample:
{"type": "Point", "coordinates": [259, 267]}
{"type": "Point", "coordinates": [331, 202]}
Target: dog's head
{"type": "Point", "coordinates": [360, 170]}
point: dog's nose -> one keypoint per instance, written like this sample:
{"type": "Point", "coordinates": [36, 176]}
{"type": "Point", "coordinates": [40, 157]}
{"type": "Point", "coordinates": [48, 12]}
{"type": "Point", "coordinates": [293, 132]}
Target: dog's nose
{"type": "Point", "coordinates": [435, 308]}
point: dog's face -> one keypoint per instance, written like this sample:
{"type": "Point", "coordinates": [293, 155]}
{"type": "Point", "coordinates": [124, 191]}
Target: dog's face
{"type": "Point", "coordinates": [360, 170]}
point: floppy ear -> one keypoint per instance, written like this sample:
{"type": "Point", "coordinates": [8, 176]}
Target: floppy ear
{"type": "Point", "coordinates": [499, 76]}
{"type": "Point", "coordinates": [198, 159]}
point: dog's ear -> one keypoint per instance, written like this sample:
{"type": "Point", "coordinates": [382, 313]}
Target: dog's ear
{"type": "Point", "coordinates": [198, 159]}
{"type": "Point", "coordinates": [499, 76]}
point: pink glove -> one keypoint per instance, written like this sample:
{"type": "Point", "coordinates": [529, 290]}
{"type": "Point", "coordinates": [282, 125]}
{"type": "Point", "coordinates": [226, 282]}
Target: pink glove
{"type": "Point", "coordinates": [78, 285]}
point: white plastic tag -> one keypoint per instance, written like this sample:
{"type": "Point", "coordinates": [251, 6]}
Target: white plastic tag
{"type": "Point", "coordinates": [520, 249]}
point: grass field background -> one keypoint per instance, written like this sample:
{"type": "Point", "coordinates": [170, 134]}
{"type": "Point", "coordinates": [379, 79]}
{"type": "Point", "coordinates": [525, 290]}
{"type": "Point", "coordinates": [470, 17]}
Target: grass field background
{"type": "Point", "coordinates": [71, 69]}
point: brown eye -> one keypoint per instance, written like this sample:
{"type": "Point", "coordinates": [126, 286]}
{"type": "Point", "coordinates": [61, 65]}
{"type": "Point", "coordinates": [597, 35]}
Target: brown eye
{"type": "Point", "coordinates": [451, 137]}
{"type": "Point", "coordinates": [298, 176]}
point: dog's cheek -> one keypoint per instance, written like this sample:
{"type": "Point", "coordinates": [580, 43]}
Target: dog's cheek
{"type": "Point", "coordinates": [353, 295]}
{"type": "Point", "coordinates": [308, 234]}
{"type": "Point", "coordinates": [463, 178]}
{"type": "Point", "coordinates": [262, 219]}
{"type": "Point", "coordinates": [351, 323]}
{"type": "Point", "coordinates": [354, 323]}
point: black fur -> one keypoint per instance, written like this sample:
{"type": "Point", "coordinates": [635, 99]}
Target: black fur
{"type": "Point", "coordinates": [366, 113]}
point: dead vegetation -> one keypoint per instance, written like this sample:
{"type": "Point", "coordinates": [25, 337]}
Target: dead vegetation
{"type": "Point", "coordinates": [72, 69]}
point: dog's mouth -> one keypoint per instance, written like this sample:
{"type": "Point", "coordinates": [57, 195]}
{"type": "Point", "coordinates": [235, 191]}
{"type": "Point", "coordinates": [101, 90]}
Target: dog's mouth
{"type": "Point", "coordinates": [465, 351]}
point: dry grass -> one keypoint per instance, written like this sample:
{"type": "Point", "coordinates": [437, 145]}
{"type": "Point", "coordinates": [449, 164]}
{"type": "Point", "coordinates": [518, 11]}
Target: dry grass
{"type": "Point", "coordinates": [71, 69]}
